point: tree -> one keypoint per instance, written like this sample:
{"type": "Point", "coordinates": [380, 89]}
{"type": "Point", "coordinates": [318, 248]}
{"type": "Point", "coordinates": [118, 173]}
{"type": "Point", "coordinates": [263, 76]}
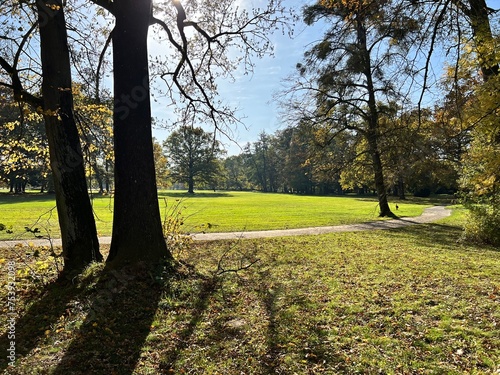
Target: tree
{"type": "Point", "coordinates": [95, 124]}
{"type": "Point", "coordinates": [261, 160]}
{"type": "Point", "coordinates": [136, 220]}
{"type": "Point", "coordinates": [292, 151]}
{"type": "Point", "coordinates": [352, 70]}
{"type": "Point", "coordinates": [192, 156]}
{"type": "Point", "coordinates": [480, 180]}
{"type": "Point", "coordinates": [23, 145]}
{"type": "Point", "coordinates": [479, 110]}
{"type": "Point", "coordinates": [478, 15]}
{"type": "Point", "coordinates": [78, 230]}
{"type": "Point", "coordinates": [236, 174]}
{"type": "Point", "coordinates": [161, 164]}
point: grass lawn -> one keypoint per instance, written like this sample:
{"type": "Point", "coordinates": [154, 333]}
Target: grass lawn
{"type": "Point", "coordinates": [405, 301]}
{"type": "Point", "coordinates": [208, 211]}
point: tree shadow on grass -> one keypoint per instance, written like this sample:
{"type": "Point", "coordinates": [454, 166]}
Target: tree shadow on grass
{"type": "Point", "coordinates": [314, 349]}
{"type": "Point", "coordinates": [27, 197]}
{"type": "Point", "coordinates": [121, 306]}
{"type": "Point", "coordinates": [169, 360]}
{"type": "Point", "coordinates": [430, 234]}
{"type": "Point", "coordinates": [44, 313]}
{"type": "Point", "coordinates": [270, 360]}
{"type": "Point", "coordinates": [121, 312]}
{"type": "Point", "coordinates": [197, 194]}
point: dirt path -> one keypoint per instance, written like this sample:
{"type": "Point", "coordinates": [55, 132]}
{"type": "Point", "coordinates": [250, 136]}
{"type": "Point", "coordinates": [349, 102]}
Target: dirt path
{"type": "Point", "coordinates": [429, 215]}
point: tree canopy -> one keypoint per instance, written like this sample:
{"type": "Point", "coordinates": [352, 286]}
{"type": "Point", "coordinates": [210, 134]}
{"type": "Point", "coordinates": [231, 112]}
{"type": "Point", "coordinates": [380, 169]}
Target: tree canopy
{"type": "Point", "coordinates": [193, 157]}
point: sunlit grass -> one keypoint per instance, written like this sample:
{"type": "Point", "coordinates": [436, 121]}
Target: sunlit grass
{"type": "Point", "coordinates": [210, 211]}
{"type": "Point", "coordinates": [409, 301]}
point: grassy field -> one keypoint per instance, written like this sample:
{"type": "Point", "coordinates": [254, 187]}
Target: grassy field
{"type": "Point", "coordinates": [406, 301]}
{"type": "Point", "coordinates": [208, 211]}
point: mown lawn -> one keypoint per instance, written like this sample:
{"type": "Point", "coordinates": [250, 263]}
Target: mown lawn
{"type": "Point", "coordinates": [207, 211]}
{"type": "Point", "coordinates": [406, 301]}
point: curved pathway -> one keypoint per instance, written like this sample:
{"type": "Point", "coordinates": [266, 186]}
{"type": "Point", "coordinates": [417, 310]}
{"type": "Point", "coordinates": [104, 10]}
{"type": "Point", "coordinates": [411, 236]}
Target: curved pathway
{"type": "Point", "coordinates": [429, 215]}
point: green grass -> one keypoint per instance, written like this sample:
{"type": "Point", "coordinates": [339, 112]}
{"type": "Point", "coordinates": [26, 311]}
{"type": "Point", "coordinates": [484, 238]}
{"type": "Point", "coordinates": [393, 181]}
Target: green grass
{"type": "Point", "coordinates": [406, 301]}
{"type": "Point", "coordinates": [210, 212]}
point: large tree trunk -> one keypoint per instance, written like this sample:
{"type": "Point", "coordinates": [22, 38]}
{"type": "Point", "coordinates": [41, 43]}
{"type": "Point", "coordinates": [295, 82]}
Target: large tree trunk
{"type": "Point", "coordinates": [137, 229]}
{"type": "Point", "coordinates": [76, 220]}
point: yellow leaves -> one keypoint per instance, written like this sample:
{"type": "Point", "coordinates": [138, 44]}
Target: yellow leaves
{"type": "Point", "coordinates": [11, 125]}
{"type": "Point", "coordinates": [22, 272]}
{"type": "Point", "coordinates": [51, 113]}
{"type": "Point", "coordinates": [351, 6]}
{"type": "Point", "coordinates": [33, 117]}
{"type": "Point", "coordinates": [54, 7]}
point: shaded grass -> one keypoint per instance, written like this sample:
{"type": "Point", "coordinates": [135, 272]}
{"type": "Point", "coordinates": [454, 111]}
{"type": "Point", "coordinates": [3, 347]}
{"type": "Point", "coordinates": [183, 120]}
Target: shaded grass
{"type": "Point", "coordinates": [209, 211]}
{"type": "Point", "coordinates": [406, 301]}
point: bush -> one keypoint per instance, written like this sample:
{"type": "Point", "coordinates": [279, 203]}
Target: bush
{"type": "Point", "coordinates": [177, 240]}
{"type": "Point", "coordinates": [483, 225]}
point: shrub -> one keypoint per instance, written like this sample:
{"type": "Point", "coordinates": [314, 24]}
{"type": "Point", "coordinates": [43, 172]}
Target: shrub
{"type": "Point", "coordinates": [483, 225]}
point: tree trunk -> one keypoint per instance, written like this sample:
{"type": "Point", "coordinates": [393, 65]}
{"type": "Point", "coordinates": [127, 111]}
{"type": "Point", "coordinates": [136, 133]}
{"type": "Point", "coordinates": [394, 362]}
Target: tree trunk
{"type": "Point", "coordinates": [191, 186]}
{"type": "Point", "coordinates": [137, 228]}
{"type": "Point", "coordinates": [76, 220]}
{"type": "Point", "coordinates": [372, 132]}
{"type": "Point", "coordinates": [379, 177]}
{"type": "Point", "coordinates": [191, 174]}
{"type": "Point", "coordinates": [401, 188]}
{"type": "Point", "coordinates": [483, 38]}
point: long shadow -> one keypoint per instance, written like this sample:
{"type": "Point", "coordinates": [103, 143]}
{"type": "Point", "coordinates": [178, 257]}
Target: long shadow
{"type": "Point", "coordinates": [197, 194]}
{"type": "Point", "coordinates": [430, 234]}
{"type": "Point", "coordinates": [446, 200]}
{"type": "Point", "coordinates": [42, 314]}
{"type": "Point", "coordinates": [168, 362]}
{"type": "Point", "coordinates": [27, 197]}
{"type": "Point", "coordinates": [270, 359]}
{"type": "Point", "coordinates": [119, 320]}
{"type": "Point", "coordinates": [317, 353]}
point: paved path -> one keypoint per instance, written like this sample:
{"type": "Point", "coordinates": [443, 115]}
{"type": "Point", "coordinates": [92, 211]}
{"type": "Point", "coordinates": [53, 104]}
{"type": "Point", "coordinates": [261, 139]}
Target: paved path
{"type": "Point", "coordinates": [429, 215]}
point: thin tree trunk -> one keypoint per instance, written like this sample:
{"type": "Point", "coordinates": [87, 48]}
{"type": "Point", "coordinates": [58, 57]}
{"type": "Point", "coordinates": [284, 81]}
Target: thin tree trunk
{"type": "Point", "coordinates": [76, 220]}
{"type": "Point", "coordinates": [401, 188]}
{"type": "Point", "coordinates": [379, 177]}
{"type": "Point", "coordinates": [137, 229]}
{"type": "Point", "coordinates": [372, 133]}
{"type": "Point", "coordinates": [191, 172]}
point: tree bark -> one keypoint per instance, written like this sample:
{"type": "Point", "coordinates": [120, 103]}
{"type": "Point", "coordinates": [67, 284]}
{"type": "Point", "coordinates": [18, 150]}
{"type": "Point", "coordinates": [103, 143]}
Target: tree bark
{"type": "Point", "coordinates": [385, 210]}
{"type": "Point", "coordinates": [372, 132]}
{"type": "Point", "coordinates": [137, 229]}
{"type": "Point", "coordinates": [483, 38]}
{"type": "Point", "coordinates": [401, 187]}
{"type": "Point", "coordinates": [76, 220]}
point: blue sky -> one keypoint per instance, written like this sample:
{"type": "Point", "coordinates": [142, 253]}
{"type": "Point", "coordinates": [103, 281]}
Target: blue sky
{"type": "Point", "coordinates": [253, 94]}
